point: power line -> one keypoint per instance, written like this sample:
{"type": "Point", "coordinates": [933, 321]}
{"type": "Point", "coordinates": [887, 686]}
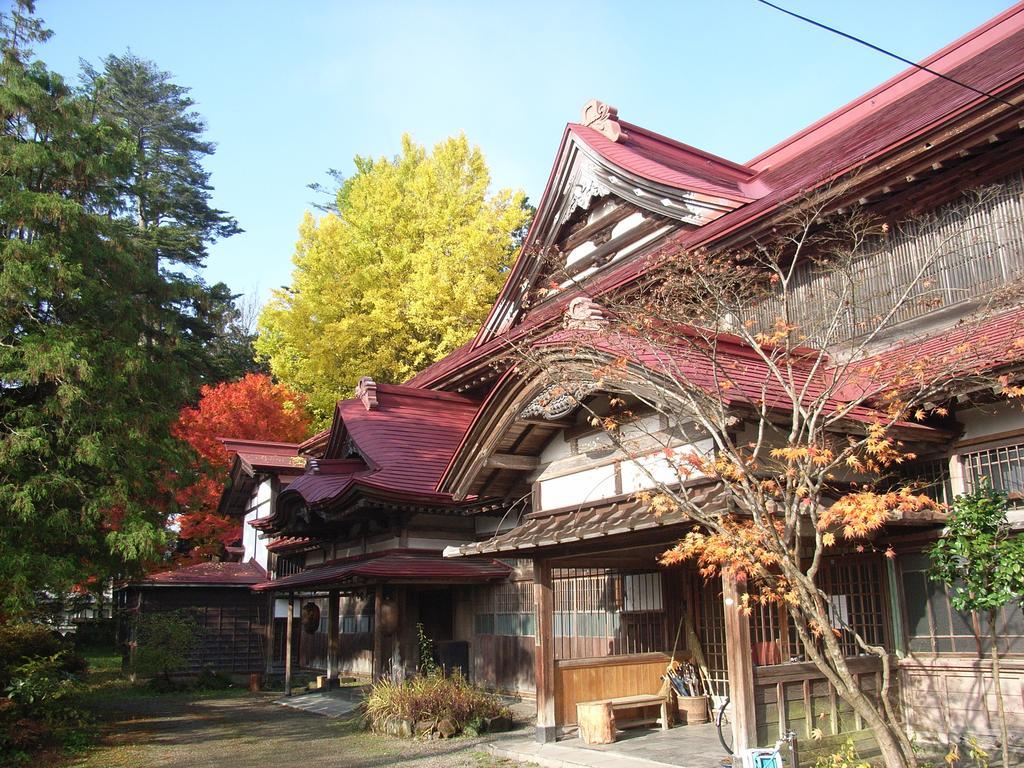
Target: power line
{"type": "Point", "coordinates": [892, 55]}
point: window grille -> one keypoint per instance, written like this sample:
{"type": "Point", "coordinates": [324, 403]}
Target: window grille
{"type": "Point", "coordinates": [605, 612]}
{"type": "Point", "coordinates": [934, 626]}
{"type": "Point", "coordinates": [964, 250]}
{"type": "Point", "coordinates": [712, 638]}
{"type": "Point", "coordinates": [505, 609]}
{"type": "Point", "coordinates": [856, 604]}
{"type": "Point", "coordinates": [930, 477]}
{"type": "Point", "coordinates": [356, 616]}
{"type": "Point", "coordinates": [1002, 466]}
{"type": "Point", "coordinates": [286, 566]}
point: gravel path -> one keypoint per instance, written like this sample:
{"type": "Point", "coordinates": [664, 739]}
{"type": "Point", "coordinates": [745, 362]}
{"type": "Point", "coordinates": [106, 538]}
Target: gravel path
{"type": "Point", "coordinates": [251, 731]}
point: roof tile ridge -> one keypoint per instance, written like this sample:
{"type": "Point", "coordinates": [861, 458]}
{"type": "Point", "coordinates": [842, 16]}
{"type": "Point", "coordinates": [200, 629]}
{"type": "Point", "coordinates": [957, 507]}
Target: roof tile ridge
{"type": "Point", "coordinates": [401, 390]}
{"type": "Point", "coordinates": [262, 443]}
{"type": "Point", "coordinates": [738, 167]}
{"type": "Point", "coordinates": [899, 77]}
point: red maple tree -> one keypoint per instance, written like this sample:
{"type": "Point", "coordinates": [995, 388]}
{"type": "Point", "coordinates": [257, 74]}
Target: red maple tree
{"type": "Point", "coordinates": [252, 408]}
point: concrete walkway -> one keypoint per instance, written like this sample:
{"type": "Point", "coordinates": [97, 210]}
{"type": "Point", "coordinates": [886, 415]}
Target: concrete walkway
{"type": "Point", "coordinates": [333, 704]}
{"type": "Point", "coordinates": [694, 746]}
{"type": "Point", "coordinates": [328, 703]}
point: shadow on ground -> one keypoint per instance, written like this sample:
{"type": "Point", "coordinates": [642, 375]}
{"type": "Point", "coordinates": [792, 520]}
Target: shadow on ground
{"type": "Point", "coordinates": [251, 730]}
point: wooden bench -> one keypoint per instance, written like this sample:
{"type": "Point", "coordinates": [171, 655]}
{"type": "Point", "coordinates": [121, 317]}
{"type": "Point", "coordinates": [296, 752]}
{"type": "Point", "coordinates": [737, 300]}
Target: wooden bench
{"type": "Point", "coordinates": [597, 720]}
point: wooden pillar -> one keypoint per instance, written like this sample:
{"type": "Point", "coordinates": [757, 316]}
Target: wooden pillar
{"type": "Point", "coordinates": [740, 663]}
{"type": "Point", "coordinates": [333, 610]}
{"type": "Point", "coordinates": [891, 596]}
{"type": "Point", "coordinates": [544, 650]}
{"type": "Point", "coordinates": [378, 637]}
{"type": "Point", "coordinates": [268, 635]}
{"type": "Point", "coordinates": [288, 646]}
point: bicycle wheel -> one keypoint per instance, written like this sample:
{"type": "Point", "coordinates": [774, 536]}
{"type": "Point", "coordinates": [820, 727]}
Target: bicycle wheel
{"type": "Point", "coordinates": [724, 726]}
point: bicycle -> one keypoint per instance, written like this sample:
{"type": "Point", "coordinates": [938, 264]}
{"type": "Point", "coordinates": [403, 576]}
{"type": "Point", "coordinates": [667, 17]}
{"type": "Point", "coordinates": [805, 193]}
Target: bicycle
{"type": "Point", "coordinates": [763, 758]}
{"type": "Point", "coordinates": [722, 719]}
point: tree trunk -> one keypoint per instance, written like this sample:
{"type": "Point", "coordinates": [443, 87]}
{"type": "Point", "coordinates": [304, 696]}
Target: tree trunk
{"type": "Point", "coordinates": [890, 744]}
{"type": "Point", "coordinates": [897, 750]}
{"type": "Point", "coordinates": [1004, 736]}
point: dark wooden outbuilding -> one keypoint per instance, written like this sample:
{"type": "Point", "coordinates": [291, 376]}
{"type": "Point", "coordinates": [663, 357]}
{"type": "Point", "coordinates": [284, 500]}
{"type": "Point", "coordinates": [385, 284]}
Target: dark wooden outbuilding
{"type": "Point", "coordinates": [232, 618]}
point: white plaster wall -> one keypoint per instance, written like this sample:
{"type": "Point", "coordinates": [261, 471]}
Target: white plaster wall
{"type": "Point", "coordinates": [991, 419]}
{"type": "Point", "coordinates": [557, 448]}
{"type": "Point", "coordinates": [315, 557]}
{"type": "Point", "coordinates": [427, 542]}
{"type": "Point", "coordinates": [586, 485]}
{"type": "Point", "coordinates": [254, 544]}
{"type": "Point", "coordinates": [663, 468]}
{"type": "Point", "coordinates": [588, 475]}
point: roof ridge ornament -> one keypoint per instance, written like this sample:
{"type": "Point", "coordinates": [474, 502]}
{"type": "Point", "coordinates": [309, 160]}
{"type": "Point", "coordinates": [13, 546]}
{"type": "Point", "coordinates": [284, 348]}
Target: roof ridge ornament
{"type": "Point", "coordinates": [603, 118]}
{"type": "Point", "coordinates": [584, 314]}
{"type": "Point", "coordinates": [366, 390]}
{"type": "Point", "coordinates": [558, 400]}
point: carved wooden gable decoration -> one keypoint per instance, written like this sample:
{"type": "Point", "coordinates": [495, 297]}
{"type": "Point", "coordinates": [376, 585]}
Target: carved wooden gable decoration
{"type": "Point", "coordinates": [616, 192]}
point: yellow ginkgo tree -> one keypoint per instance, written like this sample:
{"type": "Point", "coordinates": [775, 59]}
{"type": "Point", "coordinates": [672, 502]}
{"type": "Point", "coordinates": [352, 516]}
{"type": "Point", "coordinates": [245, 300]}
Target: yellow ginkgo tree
{"type": "Point", "coordinates": [400, 272]}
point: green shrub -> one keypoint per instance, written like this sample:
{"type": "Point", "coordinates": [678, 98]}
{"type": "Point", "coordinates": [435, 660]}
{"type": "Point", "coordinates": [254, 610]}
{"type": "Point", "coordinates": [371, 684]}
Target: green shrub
{"type": "Point", "coordinates": [36, 710]}
{"type": "Point", "coordinates": [164, 641]}
{"type": "Point", "coordinates": [21, 641]}
{"type": "Point", "coordinates": [432, 698]}
{"type": "Point", "coordinates": [428, 664]}
{"type": "Point", "coordinates": [211, 680]}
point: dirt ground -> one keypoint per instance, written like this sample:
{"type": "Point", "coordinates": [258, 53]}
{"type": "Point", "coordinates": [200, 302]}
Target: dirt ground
{"type": "Point", "coordinates": [252, 731]}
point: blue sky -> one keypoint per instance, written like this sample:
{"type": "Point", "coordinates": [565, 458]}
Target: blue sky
{"type": "Point", "coordinates": [289, 90]}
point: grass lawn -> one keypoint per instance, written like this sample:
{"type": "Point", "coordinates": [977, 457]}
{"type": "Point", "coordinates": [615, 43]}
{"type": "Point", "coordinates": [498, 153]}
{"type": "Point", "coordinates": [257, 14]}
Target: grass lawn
{"type": "Point", "coordinates": [237, 729]}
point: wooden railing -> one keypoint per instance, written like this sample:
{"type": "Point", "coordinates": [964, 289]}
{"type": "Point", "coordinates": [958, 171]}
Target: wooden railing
{"type": "Point", "coordinates": [957, 253]}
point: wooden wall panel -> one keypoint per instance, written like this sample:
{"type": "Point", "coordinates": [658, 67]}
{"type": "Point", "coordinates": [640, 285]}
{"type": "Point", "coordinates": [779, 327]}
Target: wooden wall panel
{"type": "Point", "coordinates": [947, 696]}
{"type": "Point", "coordinates": [589, 680]}
{"type": "Point", "coordinates": [503, 663]}
{"type": "Point", "coordinates": [796, 697]}
{"type": "Point", "coordinates": [231, 620]}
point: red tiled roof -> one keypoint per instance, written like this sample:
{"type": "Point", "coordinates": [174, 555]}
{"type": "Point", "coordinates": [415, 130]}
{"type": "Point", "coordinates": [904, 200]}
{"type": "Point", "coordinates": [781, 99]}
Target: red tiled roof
{"type": "Point", "coordinates": [209, 574]}
{"type": "Point", "coordinates": [405, 442]}
{"type": "Point", "coordinates": [970, 348]}
{"type": "Point", "coordinates": [886, 119]}
{"type": "Point", "coordinates": [410, 566]}
{"type": "Point", "coordinates": [669, 162]}
{"type": "Point", "coordinates": [728, 371]}
{"type": "Point", "coordinates": [990, 58]}
{"type": "Point", "coordinates": [315, 445]}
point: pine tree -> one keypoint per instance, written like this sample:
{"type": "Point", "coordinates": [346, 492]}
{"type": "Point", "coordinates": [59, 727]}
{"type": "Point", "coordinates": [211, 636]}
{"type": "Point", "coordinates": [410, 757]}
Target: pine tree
{"type": "Point", "coordinates": [166, 193]}
{"type": "Point", "coordinates": [101, 342]}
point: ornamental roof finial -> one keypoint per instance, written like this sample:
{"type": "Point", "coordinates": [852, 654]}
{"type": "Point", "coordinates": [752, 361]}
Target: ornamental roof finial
{"type": "Point", "coordinates": [603, 118]}
{"type": "Point", "coordinates": [584, 314]}
{"type": "Point", "coordinates": [366, 390]}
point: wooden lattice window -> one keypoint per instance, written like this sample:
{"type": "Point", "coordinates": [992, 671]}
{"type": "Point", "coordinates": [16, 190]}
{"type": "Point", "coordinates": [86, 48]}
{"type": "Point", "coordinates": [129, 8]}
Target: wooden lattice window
{"type": "Point", "coordinates": [930, 477]}
{"type": "Point", "coordinates": [711, 629]}
{"type": "Point", "coordinates": [1003, 466]}
{"type": "Point", "coordinates": [934, 626]}
{"type": "Point", "coordinates": [857, 599]}
{"type": "Point", "coordinates": [856, 604]}
{"type": "Point", "coordinates": [505, 609]}
{"type": "Point", "coordinates": [355, 616]}
{"type": "Point", "coordinates": [605, 612]}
